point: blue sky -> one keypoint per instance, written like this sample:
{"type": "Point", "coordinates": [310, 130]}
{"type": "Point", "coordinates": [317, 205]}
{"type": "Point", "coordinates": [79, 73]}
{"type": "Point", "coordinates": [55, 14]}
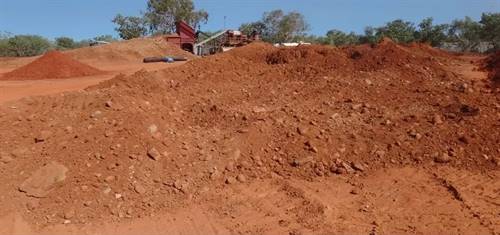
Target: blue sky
{"type": "Point", "coordinates": [82, 19]}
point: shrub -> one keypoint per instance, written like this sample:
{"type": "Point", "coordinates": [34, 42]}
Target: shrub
{"type": "Point", "coordinates": [27, 45]}
{"type": "Point", "coordinates": [65, 43]}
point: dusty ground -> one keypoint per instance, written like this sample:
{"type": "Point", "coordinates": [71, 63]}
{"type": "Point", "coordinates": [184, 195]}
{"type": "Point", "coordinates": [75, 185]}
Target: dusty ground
{"type": "Point", "coordinates": [391, 201]}
{"type": "Point", "coordinates": [384, 140]}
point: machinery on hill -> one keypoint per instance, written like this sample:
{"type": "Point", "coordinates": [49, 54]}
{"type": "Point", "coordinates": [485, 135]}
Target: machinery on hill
{"type": "Point", "coordinates": [223, 41]}
{"type": "Point", "coordinates": [187, 39]}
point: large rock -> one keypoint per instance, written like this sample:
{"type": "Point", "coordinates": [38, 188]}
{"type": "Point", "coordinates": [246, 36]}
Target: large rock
{"type": "Point", "coordinates": [42, 136]}
{"type": "Point", "coordinates": [44, 179]}
{"type": "Point", "coordinates": [154, 154]}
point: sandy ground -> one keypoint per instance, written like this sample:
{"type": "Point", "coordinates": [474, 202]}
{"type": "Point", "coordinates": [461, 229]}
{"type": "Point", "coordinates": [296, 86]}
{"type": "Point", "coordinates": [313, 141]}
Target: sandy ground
{"type": "Point", "coordinates": [13, 90]}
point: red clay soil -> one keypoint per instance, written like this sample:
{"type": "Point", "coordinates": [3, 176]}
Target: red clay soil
{"type": "Point", "coordinates": [156, 142]}
{"type": "Point", "coordinates": [132, 50]}
{"type": "Point", "coordinates": [492, 64]}
{"type": "Point", "coordinates": [52, 65]}
{"type": "Point", "coordinates": [429, 50]}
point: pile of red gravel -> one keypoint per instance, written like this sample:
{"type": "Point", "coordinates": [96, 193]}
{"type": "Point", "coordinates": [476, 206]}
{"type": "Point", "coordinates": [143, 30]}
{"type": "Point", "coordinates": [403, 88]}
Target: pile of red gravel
{"type": "Point", "coordinates": [137, 146]}
{"type": "Point", "coordinates": [52, 65]}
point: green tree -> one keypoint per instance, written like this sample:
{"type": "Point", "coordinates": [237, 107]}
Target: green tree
{"type": "Point", "coordinates": [271, 21]}
{"type": "Point", "coordinates": [276, 26]}
{"type": "Point", "coordinates": [398, 30]}
{"type": "Point", "coordinates": [465, 33]}
{"type": "Point", "coordinates": [281, 27]}
{"type": "Point", "coordinates": [161, 15]}
{"type": "Point", "coordinates": [129, 27]}
{"type": "Point", "coordinates": [369, 36]}
{"type": "Point", "coordinates": [250, 28]}
{"type": "Point", "coordinates": [27, 45]}
{"type": "Point", "coordinates": [491, 28]}
{"type": "Point", "coordinates": [65, 43]}
{"type": "Point", "coordinates": [339, 38]}
{"type": "Point", "coordinates": [432, 34]}
{"type": "Point", "coordinates": [292, 25]}
{"type": "Point", "coordinates": [4, 47]}
{"type": "Point", "coordinates": [4, 44]}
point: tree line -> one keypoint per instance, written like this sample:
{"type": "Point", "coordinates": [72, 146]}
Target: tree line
{"type": "Point", "coordinates": [465, 34]}
{"type": "Point", "coordinates": [32, 45]}
{"type": "Point", "coordinates": [275, 26]}
{"type": "Point", "coordinates": [159, 18]}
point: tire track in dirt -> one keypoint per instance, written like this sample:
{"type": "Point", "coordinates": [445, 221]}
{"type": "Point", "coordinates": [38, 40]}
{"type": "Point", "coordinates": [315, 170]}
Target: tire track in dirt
{"type": "Point", "coordinates": [410, 200]}
{"type": "Point", "coordinates": [478, 193]}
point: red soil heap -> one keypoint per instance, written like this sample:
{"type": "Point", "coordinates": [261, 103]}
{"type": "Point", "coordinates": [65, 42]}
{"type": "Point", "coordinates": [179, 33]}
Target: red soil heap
{"type": "Point", "coordinates": [53, 64]}
{"type": "Point", "coordinates": [492, 64]}
{"type": "Point", "coordinates": [138, 146]}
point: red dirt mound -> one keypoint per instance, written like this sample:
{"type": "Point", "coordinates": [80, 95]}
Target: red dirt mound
{"type": "Point", "coordinates": [136, 146]}
{"type": "Point", "coordinates": [492, 64]}
{"type": "Point", "coordinates": [127, 50]}
{"type": "Point", "coordinates": [310, 54]}
{"type": "Point", "coordinates": [388, 54]}
{"type": "Point", "coordinates": [428, 49]}
{"type": "Point", "coordinates": [385, 56]}
{"type": "Point", "coordinates": [53, 64]}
